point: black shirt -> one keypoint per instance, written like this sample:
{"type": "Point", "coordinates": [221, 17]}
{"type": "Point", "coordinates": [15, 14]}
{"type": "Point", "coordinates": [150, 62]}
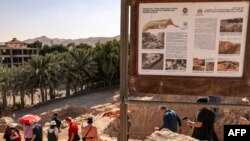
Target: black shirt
{"type": "Point", "coordinates": [206, 131]}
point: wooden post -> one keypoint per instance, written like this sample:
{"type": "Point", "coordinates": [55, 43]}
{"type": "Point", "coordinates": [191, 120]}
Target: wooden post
{"type": "Point", "coordinates": [123, 70]}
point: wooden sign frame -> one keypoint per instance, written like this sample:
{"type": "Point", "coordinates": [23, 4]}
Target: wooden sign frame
{"type": "Point", "coordinates": [179, 85]}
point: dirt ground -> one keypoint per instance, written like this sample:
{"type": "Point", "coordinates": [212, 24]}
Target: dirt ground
{"type": "Point", "coordinates": [144, 117]}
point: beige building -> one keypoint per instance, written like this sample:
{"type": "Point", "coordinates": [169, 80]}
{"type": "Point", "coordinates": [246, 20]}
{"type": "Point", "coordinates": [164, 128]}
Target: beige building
{"type": "Point", "coordinates": [16, 53]}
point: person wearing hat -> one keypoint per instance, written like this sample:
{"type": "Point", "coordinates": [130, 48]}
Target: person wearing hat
{"type": "Point", "coordinates": [89, 133]}
{"type": "Point", "coordinates": [73, 130]}
{"type": "Point", "coordinates": [15, 135]}
{"type": "Point", "coordinates": [52, 131]}
{"type": "Point", "coordinates": [57, 120]}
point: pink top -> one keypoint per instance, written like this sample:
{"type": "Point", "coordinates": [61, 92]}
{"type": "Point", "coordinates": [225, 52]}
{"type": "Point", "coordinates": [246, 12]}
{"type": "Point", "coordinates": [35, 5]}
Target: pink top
{"type": "Point", "coordinates": [27, 131]}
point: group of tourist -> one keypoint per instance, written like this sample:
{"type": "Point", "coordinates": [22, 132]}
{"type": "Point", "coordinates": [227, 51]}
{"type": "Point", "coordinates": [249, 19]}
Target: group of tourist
{"type": "Point", "coordinates": [203, 125]}
{"type": "Point", "coordinates": [34, 132]}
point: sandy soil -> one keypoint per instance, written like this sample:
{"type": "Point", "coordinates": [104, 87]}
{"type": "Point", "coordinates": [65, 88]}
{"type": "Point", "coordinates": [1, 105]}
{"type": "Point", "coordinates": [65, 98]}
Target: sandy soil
{"type": "Point", "coordinates": [86, 101]}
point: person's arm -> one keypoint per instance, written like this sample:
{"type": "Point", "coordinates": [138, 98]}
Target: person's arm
{"type": "Point", "coordinates": [96, 135]}
{"type": "Point", "coordinates": [165, 122]}
{"type": "Point", "coordinates": [195, 124]}
{"type": "Point", "coordinates": [179, 120]}
{"type": "Point", "coordinates": [179, 123]}
{"type": "Point", "coordinates": [34, 131]}
{"type": "Point", "coordinates": [33, 138]}
{"type": "Point", "coordinates": [56, 133]}
{"type": "Point", "coordinates": [72, 137]}
{"type": "Point", "coordinates": [16, 135]}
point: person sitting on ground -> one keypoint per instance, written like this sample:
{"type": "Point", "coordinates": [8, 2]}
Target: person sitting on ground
{"type": "Point", "coordinates": [245, 120]}
{"type": "Point", "coordinates": [58, 121]}
{"type": "Point", "coordinates": [37, 132]}
{"type": "Point", "coordinates": [15, 134]}
{"type": "Point", "coordinates": [170, 119]}
{"type": "Point", "coordinates": [204, 124]}
{"type": "Point", "coordinates": [89, 133]}
{"type": "Point", "coordinates": [27, 130]}
{"type": "Point", "coordinates": [52, 131]}
{"type": "Point", "coordinates": [73, 130]}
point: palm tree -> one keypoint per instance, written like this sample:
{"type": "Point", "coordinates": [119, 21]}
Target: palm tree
{"type": "Point", "coordinates": [53, 75]}
{"type": "Point", "coordinates": [37, 67]}
{"type": "Point", "coordinates": [108, 60]}
{"type": "Point", "coordinates": [85, 64]}
{"type": "Point", "coordinates": [4, 85]}
{"type": "Point", "coordinates": [20, 83]}
{"type": "Point", "coordinates": [68, 71]}
{"type": "Point", "coordinates": [45, 71]}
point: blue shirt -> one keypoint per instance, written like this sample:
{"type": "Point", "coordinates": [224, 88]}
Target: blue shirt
{"type": "Point", "coordinates": [170, 120]}
{"type": "Point", "coordinates": [37, 130]}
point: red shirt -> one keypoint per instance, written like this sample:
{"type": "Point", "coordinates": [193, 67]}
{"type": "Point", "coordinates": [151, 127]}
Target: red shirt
{"type": "Point", "coordinates": [73, 128]}
{"type": "Point", "coordinates": [16, 134]}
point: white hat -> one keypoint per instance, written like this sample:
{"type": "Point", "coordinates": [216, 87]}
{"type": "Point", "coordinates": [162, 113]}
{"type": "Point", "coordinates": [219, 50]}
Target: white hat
{"type": "Point", "coordinates": [53, 122]}
{"type": "Point", "coordinates": [13, 125]}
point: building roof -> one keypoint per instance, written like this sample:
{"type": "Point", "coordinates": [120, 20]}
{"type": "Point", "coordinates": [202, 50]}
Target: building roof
{"type": "Point", "coordinates": [15, 41]}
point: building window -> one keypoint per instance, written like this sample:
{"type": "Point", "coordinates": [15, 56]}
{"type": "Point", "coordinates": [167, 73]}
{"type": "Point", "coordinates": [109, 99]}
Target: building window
{"type": "Point", "coordinates": [5, 52]}
{"type": "Point", "coordinates": [26, 59]}
{"type": "Point", "coordinates": [25, 52]}
{"type": "Point", "coordinates": [6, 60]}
{"type": "Point", "coordinates": [16, 52]}
{"type": "Point", "coordinates": [17, 60]}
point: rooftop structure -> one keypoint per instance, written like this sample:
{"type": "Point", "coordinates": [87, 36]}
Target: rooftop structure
{"type": "Point", "coordinates": [16, 53]}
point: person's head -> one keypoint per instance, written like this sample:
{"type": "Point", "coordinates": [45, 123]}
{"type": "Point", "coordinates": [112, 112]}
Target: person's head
{"type": "Point", "coordinates": [68, 120]}
{"type": "Point", "coordinates": [12, 126]}
{"type": "Point", "coordinates": [55, 114]}
{"type": "Point", "coordinates": [162, 110]}
{"type": "Point", "coordinates": [33, 123]}
{"type": "Point", "coordinates": [52, 124]}
{"type": "Point", "coordinates": [202, 100]}
{"type": "Point", "coordinates": [27, 124]}
{"type": "Point", "coordinates": [89, 120]}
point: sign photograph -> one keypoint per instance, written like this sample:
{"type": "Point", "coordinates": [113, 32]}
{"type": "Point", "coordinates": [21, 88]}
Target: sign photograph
{"type": "Point", "coordinates": [192, 39]}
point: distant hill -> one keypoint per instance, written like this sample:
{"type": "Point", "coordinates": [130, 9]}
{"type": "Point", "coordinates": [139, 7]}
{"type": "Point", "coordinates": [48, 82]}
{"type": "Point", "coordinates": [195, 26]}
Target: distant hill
{"type": "Point", "coordinates": [90, 40]}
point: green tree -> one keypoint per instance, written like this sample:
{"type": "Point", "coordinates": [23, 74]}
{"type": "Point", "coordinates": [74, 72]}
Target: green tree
{"type": "Point", "coordinates": [108, 60]}
{"type": "Point", "coordinates": [68, 71]}
{"type": "Point", "coordinates": [53, 49]}
{"type": "Point", "coordinates": [4, 84]}
{"type": "Point", "coordinates": [44, 70]}
{"type": "Point", "coordinates": [84, 46]}
{"type": "Point", "coordinates": [36, 44]}
{"type": "Point", "coordinates": [85, 64]}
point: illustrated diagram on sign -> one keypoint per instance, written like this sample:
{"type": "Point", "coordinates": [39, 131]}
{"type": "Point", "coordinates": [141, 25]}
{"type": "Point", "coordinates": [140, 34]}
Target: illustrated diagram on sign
{"type": "Point", "coordinates": [158, 24]}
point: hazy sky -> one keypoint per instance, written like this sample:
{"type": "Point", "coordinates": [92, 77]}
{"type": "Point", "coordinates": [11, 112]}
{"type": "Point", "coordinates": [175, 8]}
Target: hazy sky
{"type": "Point", "coordinates": [72, 19]}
